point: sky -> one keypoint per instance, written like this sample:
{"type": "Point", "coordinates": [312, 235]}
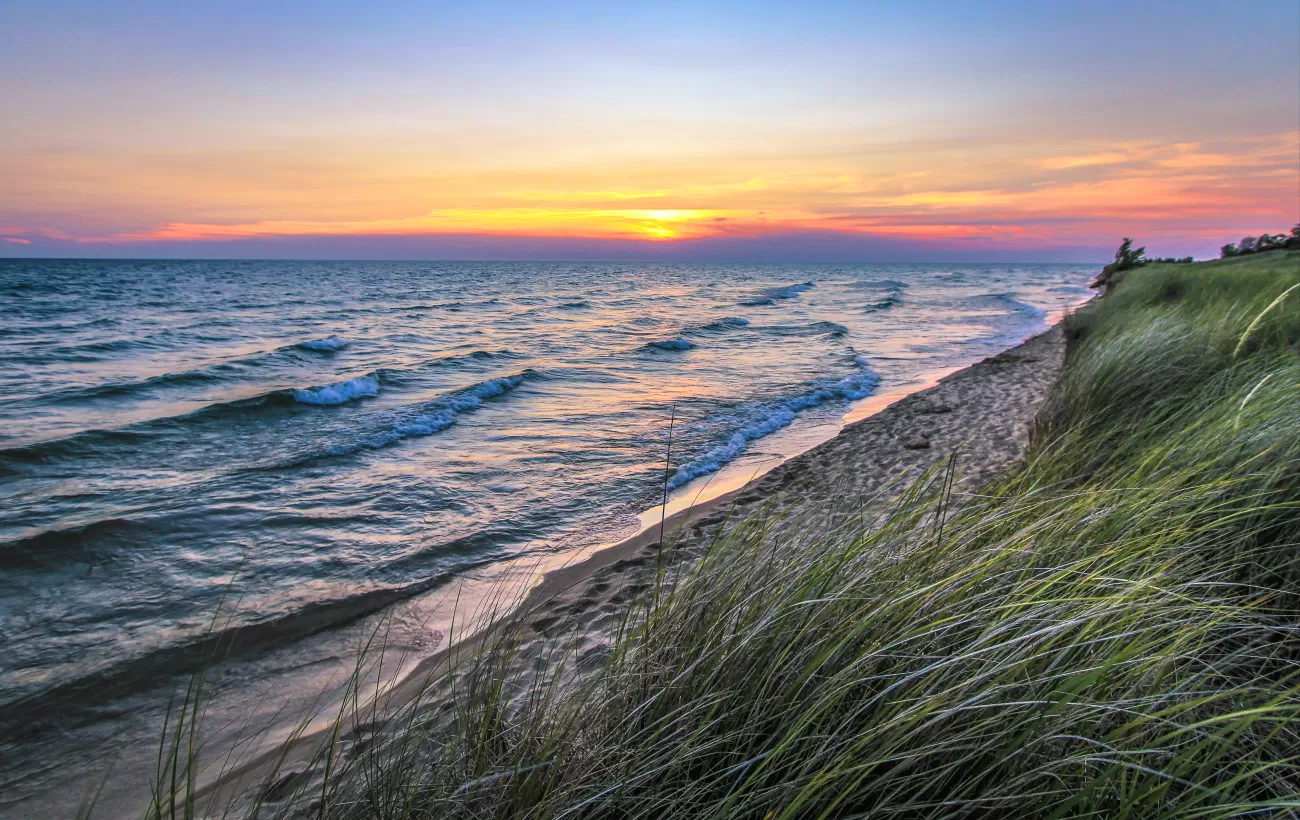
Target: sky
{"type": "Point", "coordinates": [930, 130]}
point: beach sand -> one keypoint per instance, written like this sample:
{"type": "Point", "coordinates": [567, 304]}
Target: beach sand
{"type": "Point", "coordinates": [984, 414]}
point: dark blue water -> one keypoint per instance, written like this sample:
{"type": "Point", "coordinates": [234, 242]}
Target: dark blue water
{"type": "Point", "coordinates": [317, 440]}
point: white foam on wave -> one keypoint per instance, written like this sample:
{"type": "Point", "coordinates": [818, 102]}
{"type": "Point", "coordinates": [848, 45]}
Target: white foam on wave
{"type": "Point", "coordinates": [773, 417]}
{"type": "Point", "coordinates": [769, 295]}
{"type": "Point", "coordinates": [789, 291]}
{"type": "Point", "coordinates": [674, 344]}
{"type": "Point", "coordinates": [1019, 306]}
{"type": "Point", "coordinates": [326, 345]}
{"type": "Point", "coordinates": [341, 393]}
{"type": "Point", "coordinates": [434, 418]}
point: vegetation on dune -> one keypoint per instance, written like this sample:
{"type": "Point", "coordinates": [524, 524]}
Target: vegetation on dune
{"type": "Point", "coordinates": [1126, 258]}
{"type": "Point", "coordinates": [1108, 630]}
{"type": "Point", "coordinates": [1263, 243]}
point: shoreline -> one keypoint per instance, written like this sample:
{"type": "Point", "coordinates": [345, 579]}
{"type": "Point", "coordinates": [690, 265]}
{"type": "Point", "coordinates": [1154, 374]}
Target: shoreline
{"type": "Point", "coordinates": [585, 595]}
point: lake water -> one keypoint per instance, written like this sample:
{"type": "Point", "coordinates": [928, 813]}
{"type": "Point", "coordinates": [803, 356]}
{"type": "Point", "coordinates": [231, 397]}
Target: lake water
{"type": "Point", "coordinates": [299, 445]}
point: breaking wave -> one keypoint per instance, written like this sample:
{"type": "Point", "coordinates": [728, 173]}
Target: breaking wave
{"type": "Point", "coordinates": [362, 387]}
{"type": "Point", "coordinates": [771, 295]}
{"type": "Point", "coordinates": [672, 344]}
{"type": "Point", "coordinates": [768, 418]}
{"type": "Point", "coordinates": [326, 345]}
{"type": "Point", "coordinates": [431, 417]}
{"type": "Point", "coordinates": [1008, 301]}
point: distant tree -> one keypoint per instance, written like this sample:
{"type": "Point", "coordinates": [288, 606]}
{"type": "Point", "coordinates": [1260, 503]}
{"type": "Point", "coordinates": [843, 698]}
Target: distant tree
{"type": "Point", "coordinates": [1263, 242]}
{"type": "Point", "coordinates": [1126, 258]}
{"type": "Point", "coordinates": [1272, 241]}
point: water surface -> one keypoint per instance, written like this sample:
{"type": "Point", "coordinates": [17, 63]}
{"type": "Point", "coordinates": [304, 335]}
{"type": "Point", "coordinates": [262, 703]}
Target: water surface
{"type": "Point", "coordinates": [310, 442]}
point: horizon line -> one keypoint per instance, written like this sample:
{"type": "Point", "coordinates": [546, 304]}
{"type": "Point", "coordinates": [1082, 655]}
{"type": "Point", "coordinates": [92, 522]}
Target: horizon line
{"type": "Point", "coordinates": [530, 261]}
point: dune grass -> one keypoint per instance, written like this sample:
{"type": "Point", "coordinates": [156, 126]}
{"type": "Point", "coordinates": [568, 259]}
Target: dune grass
{"type": "Point", "coordinates": [1108, 630]}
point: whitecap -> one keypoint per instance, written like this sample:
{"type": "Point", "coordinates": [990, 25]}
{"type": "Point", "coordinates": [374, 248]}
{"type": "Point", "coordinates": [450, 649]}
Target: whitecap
{"type": "Point", "coordinates": [340, 393]}
{"type": "Point", "coordinates": [326, 345]}
{"type": "Point", "coordinates": [436, 416]}
{"type": "Point", "coordinates": [770, 295]}
{"type": "Point", "coordinates": [673, 344]}
{"type": "Point", "coordinates": [769, 418]}
{"type": "Point", "coordinates": [1019, 306]}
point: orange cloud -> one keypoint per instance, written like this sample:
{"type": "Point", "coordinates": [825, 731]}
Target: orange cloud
{"type": "Point", "coordinates": [1004, 192]}
{"type": "Point", "coordinates": [1062, 163]}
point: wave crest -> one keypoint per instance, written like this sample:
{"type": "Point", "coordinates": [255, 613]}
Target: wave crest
{"type": "Point", "coordinates": [769, 418]}
{"type": "Point", "coordinates": [724, 323]}
{"type": "Point", "coordinates": [1007, 300]}
{"type": "Point", "coordinates": [326, 345]}
{"type": "Point", "coordinates": [341, 393]}
{"type": "Point", "coordinates": [672, 344]}
{"type": "Point", "coordinates": [770, 296]}
{"type": "Point", "coordinates": [435, 416]}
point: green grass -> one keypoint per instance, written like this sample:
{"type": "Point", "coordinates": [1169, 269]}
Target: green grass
{"type": "Point", "coordinates": [1109, 630]}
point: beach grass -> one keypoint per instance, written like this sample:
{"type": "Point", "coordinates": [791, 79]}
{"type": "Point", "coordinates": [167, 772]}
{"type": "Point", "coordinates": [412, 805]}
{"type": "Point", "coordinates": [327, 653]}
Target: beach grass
{"type": "Point", "coordinates": [1108, 629]}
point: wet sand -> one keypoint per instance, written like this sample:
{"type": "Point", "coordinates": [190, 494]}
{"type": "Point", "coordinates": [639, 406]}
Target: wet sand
{"type": "Point", "coordinates": [983, 413]}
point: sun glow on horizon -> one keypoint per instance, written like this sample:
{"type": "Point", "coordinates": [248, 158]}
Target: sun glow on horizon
{"type": "Point", "coordinates": [1184, 190]}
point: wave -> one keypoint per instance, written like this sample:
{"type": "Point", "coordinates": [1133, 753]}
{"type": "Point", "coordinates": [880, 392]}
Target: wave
{"type": "Point", "coordinates": [579, 305]}
{"type": "Point", "coordinates": [326, 345]}
{"type": "Point", "coordinates": [210, 373]}
{"type": "Point", "coordinates": [428, 418]}
{"type": "Point", "coordinates": [110, 389]}
{"type": "Point", "coordinates": [822, 328]}
{"type": "Point", "coordinates": [893, 300]}
{"type": "Point", "coordinates": [326, 394]}
{"type": "Point", "coordinates": [768, 418]}
{"type": "Point", "coordinates": [53, 449]}
{"type": "Point", "coordinates": [361, 387]}
{"type": "Point", "coordinates": [790, 291]}
{"type": "Point", "coordinates": [225, 642]}
{"type": "Point", "coordinates": [134, 435]}
{"type": "Point", "coordinates": [1009, 301]}
{"type": "Point", "coordinates": [671, 344]}
{"type": "Point", "coordinates": [725, 323]}
{"type": "Point", "coordinates": [771, 295]}
{"type": "Point", "coordinates": [61, 546]}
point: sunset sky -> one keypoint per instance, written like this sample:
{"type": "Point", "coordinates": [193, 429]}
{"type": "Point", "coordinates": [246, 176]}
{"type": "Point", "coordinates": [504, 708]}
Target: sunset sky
{"type": "Point", "coordinates": [783, 131]}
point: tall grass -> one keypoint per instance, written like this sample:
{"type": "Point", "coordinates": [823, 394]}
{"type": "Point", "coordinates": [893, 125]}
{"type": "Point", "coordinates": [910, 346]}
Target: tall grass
{"type": "Point", "coordinates": [1109, 629]}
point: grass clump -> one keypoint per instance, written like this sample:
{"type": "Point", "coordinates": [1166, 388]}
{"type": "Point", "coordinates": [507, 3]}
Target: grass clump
{"type": "Point", "coordinates": [1108, 630]}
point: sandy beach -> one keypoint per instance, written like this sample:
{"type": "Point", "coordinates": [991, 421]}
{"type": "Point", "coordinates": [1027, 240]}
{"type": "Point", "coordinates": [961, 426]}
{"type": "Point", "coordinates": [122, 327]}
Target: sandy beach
{"type": "Point", "coordinates": [982, 414]}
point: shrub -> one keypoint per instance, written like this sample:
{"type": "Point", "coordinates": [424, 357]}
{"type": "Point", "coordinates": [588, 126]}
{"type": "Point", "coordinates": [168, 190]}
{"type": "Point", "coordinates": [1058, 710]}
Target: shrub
{"type": "Point", "coordinates": [1263, 242]}
{"type": "Point", "coordinates": [1125, 259]}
